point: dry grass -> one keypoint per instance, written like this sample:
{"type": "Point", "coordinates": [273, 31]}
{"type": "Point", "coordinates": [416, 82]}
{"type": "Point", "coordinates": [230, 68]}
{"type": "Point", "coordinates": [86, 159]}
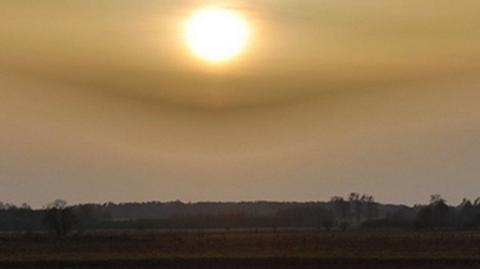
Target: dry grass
{"type": "Point", "coordinates": [300, 249]}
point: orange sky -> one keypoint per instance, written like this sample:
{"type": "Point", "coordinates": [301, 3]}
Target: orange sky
{"type": "Point", "coordinates": [101, 100]}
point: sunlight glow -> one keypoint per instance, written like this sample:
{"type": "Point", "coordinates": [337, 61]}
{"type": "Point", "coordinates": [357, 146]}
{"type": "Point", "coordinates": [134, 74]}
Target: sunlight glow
{"type": "Point", "coordinates": [216, 34]}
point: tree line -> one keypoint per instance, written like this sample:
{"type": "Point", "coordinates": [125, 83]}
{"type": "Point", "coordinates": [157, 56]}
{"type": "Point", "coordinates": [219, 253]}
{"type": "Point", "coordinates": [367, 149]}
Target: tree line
{"type": "Point", "coordinates": [355, 211]}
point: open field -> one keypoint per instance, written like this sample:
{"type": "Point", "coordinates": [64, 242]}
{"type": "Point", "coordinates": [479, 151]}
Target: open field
{"type": "Point", "coordinates": [235, 249]}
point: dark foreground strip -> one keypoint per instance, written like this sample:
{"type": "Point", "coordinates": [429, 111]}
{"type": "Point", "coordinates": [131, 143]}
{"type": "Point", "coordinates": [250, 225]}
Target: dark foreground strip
{"type": "Point", "coordinates": [264, 263]}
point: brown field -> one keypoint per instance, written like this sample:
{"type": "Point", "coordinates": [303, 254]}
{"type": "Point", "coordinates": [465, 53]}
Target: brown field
{"type": "Point", "coordinates": [244, 249]}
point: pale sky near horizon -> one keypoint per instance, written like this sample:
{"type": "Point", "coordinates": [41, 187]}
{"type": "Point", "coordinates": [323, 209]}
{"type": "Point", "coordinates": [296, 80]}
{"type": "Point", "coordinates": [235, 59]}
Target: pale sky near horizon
{"type": "Point", "coordinates": [103, 101]}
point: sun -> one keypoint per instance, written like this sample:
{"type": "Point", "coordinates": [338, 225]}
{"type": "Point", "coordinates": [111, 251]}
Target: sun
{"type": "Point", "coordinates": [216, 34]}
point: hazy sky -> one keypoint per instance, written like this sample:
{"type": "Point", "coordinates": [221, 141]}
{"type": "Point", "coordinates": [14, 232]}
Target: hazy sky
{"type": "Point", "coordinates": [102, 101]}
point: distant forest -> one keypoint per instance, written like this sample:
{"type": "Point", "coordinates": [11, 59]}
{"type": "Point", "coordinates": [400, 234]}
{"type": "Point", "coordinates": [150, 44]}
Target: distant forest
{"type": "Point", "coordinates": [353, 212]}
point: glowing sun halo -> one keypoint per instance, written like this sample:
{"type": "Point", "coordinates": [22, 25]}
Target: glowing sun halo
{"type": "Point", "coordinates": [216, 34]}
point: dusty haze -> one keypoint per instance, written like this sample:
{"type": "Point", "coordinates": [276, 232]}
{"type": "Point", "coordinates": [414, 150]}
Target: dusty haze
{"type": "Point", "coordinates": [101, 100]}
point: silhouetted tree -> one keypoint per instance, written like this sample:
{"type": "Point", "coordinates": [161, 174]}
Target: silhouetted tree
{"type": "Point", "coordinates": [371, 207]}
{"type": "Point", "coordinates": [436, 199]}
{"type": "Point", "coordinates": [90, 215]}
{"type": "Point", "coordinates": [59, 219]}
{"type": "Point", "coordinates": [342, 208]}
{"type": "Point", "coordinates": [477, 202]}
{"type": "Point", "coordinates": [435, 215]}
{"type": "Point", "coordinates": [356, 205]}
{"type": "Point", "coordinates": [465, 213]}
{"type": "Point", "coordinates": [309, 216]}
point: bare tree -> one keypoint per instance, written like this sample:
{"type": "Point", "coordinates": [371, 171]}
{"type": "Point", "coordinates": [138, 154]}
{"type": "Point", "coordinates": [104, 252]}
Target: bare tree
{"type": "Point", "coordinates": [357, 205]}
{"type": "Point", "coordinates": [342, 208]}
{"type": "Point", "coordinates": [477, 202]}
{"type": "Point", "coordinates": [436, 199]}
{"type": "Point", "coordinates": [466, 212]}
{"type": "Point", "coordinates": [371, 207]}
{"type": "Point", "coordinates": [59, 219]}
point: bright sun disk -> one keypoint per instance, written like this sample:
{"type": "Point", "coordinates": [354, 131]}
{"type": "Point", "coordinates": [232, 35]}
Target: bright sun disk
{"type": "Point", "coordinates": [216, 34]}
